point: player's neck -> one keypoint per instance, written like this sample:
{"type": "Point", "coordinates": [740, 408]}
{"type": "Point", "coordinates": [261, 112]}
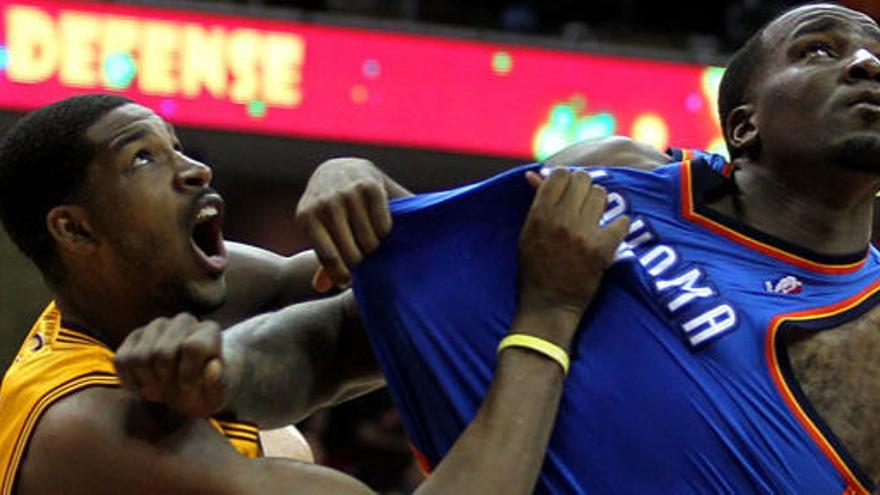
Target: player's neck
{"type": "Point", "coordinates": [104, 318]}
{"type": "Point", "coordinates": [831, 216]}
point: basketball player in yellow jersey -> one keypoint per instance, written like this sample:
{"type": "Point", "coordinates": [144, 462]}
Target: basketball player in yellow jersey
{"type": "Point", "coordinates": [126, 230]}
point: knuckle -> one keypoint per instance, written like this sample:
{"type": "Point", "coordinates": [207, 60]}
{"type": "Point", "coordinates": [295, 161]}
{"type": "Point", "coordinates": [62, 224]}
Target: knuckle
{"type": "Point", "coordinates": [322, 207]}
{"type": "Point", "coordinates": [183, 317]}
{"type": "Point", "coordinates": [193, 347]}
{"type": "Point", "coordinates": [363, 188]}
{"type": "Point", "coordinates": [210, 325]}
{"type": "Point", "coordinates": [557, 173]}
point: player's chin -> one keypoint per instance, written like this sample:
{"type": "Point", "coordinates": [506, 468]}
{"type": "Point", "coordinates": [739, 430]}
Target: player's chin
{"type": "Point", "coordinates": [207, 295]}
{"type": "Point", "coordinates": [859, 151]}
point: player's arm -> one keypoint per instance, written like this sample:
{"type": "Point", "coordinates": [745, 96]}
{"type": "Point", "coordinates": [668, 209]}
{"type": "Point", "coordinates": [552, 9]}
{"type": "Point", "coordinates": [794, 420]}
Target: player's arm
{"type": "Point", "coordinates": [344, 209]}
{"type": "Point", "coordinates": [282, 366]}
{"type": "Point", "coordinates": [108, 441]}
{"type": "Point", "coordinates": [277, 368]}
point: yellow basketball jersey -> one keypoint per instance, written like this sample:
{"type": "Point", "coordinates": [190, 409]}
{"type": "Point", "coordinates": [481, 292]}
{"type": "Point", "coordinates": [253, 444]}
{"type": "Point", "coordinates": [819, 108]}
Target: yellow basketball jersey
{"type": "Point", "coordinates": [53, 363]}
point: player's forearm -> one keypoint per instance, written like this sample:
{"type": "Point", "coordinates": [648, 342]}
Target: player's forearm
{"type": "Point", "coordinates": [282, 366]}
{"type": "Point", "coordinates": [502, 450]}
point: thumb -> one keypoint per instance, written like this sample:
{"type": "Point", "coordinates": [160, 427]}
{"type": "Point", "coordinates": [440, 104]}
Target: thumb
{"type": "Point", "coordinates": [212, 372]}
{"type": "Point", "coordinates": [534, 179]}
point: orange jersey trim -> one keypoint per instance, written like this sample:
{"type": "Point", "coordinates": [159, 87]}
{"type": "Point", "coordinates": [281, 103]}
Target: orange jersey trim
{"type": "Point", "coordinates": [690, 214]}
{"type": "Point", "coordinates": [421, 460]}
{"type": "Point", "coordinates": [854, 486]}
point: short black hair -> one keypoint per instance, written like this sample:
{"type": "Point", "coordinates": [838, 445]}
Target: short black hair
{"type": "Point", "coordinates": [737, 79]}
{"type": "Point", "coordinates": [43, 164]}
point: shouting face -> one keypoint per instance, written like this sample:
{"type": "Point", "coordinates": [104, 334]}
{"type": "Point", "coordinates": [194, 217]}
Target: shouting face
{"type": "Point", "coordinates": [157, 222]}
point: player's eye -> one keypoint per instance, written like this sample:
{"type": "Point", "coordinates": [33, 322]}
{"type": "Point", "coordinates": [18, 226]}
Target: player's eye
{"type": "Point", "coordinates": [819, 49]}
{"type": "Point", "coordinates": [142, 157]}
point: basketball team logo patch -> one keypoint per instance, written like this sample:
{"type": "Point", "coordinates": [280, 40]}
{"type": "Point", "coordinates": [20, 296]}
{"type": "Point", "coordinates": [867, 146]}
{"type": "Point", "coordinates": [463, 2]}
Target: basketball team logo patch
{"type": "Point", "coordinates": [788, 284]}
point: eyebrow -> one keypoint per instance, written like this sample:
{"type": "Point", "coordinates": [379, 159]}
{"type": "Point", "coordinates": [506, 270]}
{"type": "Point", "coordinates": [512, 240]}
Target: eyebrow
{"type": "Point", "coordinates": [817, 26]}
{"type": "Point", "coordinates": [824, 24]}
{"type": "Point", "coordinates": [125, 139]}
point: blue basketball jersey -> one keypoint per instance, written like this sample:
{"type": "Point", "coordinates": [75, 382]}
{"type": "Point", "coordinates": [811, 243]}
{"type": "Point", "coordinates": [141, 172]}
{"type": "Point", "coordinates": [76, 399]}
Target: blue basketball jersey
{"type": "Point", "coordinates": [680, 381]}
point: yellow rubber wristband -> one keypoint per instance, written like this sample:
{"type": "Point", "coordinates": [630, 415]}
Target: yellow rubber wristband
{"type": "Point", "coordinates": [538, 345]}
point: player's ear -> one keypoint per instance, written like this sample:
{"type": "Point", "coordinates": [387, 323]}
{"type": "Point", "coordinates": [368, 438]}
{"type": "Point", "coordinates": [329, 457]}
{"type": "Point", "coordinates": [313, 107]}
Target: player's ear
{"type": "Point", "coordinates": [742, 130]}
{"type": "Point", "coordinates": [71, 228]}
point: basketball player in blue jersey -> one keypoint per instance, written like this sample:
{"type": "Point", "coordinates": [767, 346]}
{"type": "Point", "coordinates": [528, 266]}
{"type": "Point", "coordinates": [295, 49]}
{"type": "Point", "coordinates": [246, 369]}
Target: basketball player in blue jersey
{"type": "Point", "coordinates": [732, 348]}
{"type": "Point", "coordinates": [775, 245]}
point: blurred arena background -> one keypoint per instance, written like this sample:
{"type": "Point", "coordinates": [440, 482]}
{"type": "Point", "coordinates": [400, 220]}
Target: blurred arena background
{"type": "Point", "coordinates": [437, 93]}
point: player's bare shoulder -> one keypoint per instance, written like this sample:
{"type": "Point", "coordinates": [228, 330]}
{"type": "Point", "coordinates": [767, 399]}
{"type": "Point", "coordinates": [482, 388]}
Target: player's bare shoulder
{"type": "Point", "coordinates": [106, 435]}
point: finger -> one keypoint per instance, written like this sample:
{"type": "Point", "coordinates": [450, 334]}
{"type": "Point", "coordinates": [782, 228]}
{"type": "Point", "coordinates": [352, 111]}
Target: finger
{"type": "Point", "coordinates": [337, 223]}
{"type": "Point", "coordinates": [362, 226]}
{"type": "Point", "coordinates": [213, 371]}
{"type": "Point", "coordinates": [327, 254]}
{"type": "Point", "coordinates": [617, 230]}
{"type": "Point", "coordinates": [122, 361]}
{"type": "Point", "coordinates": [142, 365]}
{"type": "Point", "coordinates": [321, 281]}
{"type": "Point", "coordinates": [166, 352]}
{"type": "Point", "coordinates": [577, 191]}
{"type": "Point", "coordinates": [200, 348]}
{"type": "Point", "coordinates": [594, 204]}
{"type": "Point", "coordinates": [196, 396]}
{"type": "Point", "coordinates": [380, 213]}
{"type": "Point", "coordinates": [553, 187]}
{"type": "Point", "coordinates": [534, 179]}
{"type": "Point", "coordinates": [213, 385]}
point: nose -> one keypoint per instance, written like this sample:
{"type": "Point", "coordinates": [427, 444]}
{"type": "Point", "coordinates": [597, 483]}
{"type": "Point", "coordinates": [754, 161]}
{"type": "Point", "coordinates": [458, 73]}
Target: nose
{"type": "Point", "coordinates": [863, 65]}
{"type": "Point", "coordinates": [192, 174]}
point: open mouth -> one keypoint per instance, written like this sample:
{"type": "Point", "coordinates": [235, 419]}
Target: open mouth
{"type": "Point", "coordinates": [867, 99]}
{"type": "Point", "coordinates": [207, 233]}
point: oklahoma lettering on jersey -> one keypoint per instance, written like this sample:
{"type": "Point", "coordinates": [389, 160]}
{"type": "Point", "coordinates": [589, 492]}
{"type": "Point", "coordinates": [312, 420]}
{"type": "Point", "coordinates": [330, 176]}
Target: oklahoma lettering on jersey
{"type": "Point", "coordinates": [679, 381]}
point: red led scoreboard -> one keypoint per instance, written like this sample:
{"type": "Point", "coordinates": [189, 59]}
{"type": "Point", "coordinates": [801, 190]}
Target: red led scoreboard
{"type": "Point", "coordinates": [331, 83]}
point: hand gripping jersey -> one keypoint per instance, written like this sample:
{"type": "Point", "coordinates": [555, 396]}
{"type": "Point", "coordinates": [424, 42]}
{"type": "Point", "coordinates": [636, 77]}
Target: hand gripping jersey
{"type": "Point", "coordinates": [680, 383]}
{"type": "Point", "coordinates": [53, 363]}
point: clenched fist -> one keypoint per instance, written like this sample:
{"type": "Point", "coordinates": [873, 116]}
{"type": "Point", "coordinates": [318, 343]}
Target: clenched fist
{"type": "Point", "coordinates": [176, 362]}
